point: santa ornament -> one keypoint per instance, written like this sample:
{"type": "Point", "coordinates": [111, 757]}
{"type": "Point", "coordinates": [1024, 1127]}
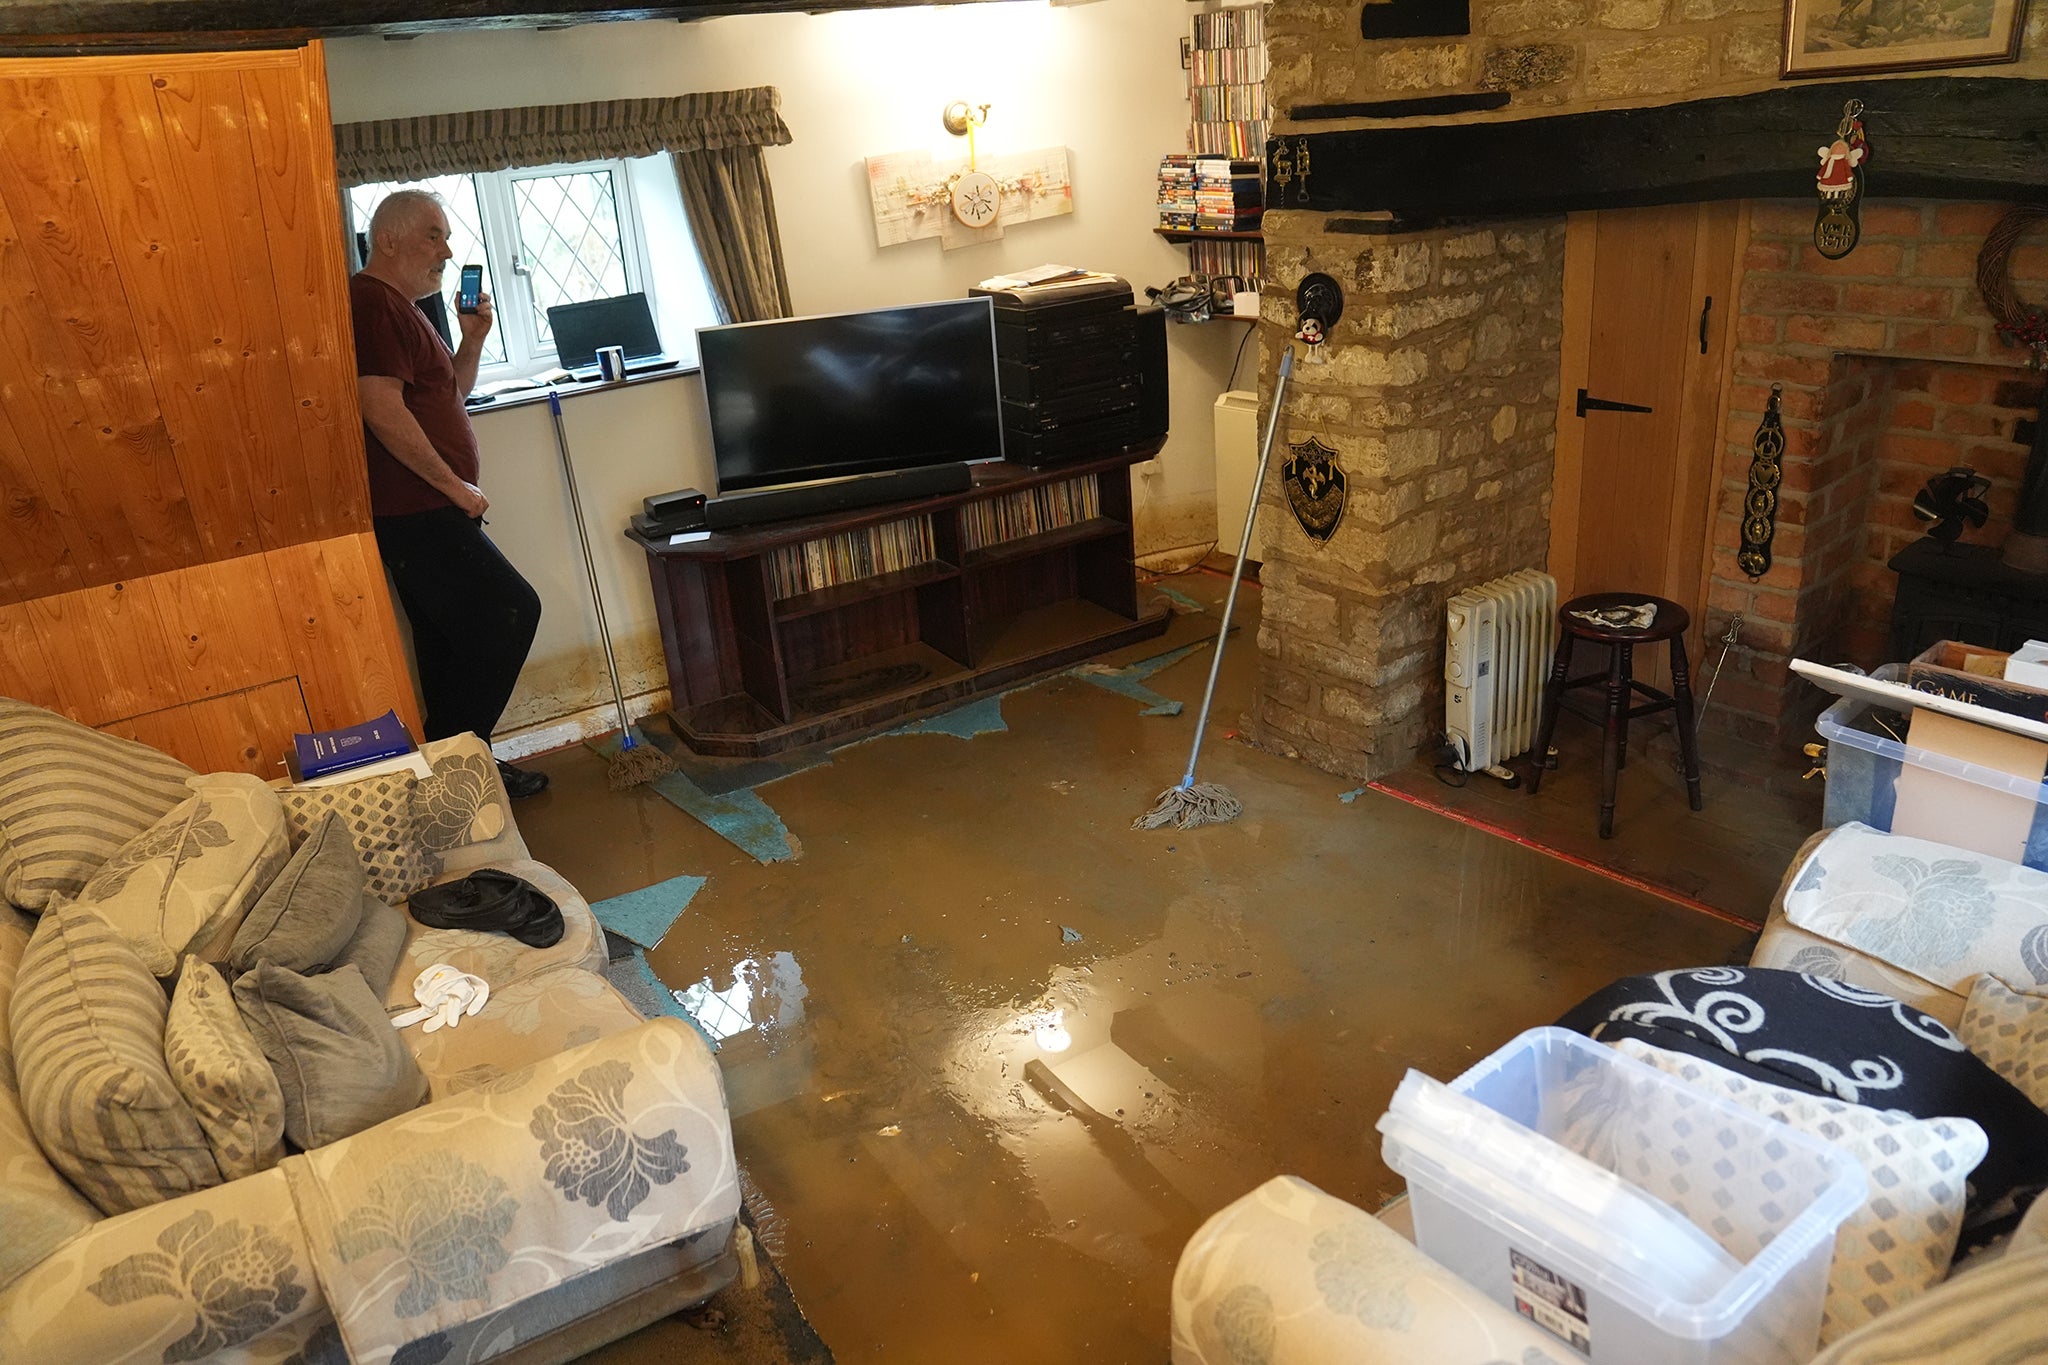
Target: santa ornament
{"type": "Point", "coordinates": [1840, 184]}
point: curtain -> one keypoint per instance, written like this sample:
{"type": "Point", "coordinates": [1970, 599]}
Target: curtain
{"type": "Point", "coordinates": [715, 138]}
{"type": "Point", "coordinates": [727, 190]}
{"type": "Point", "coordinates": [536, 135]}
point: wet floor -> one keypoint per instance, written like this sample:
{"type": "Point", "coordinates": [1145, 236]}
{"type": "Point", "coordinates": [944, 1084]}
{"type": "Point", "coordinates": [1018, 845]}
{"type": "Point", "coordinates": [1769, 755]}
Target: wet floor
{"type": "Point", "coordinates": [992, 1055]}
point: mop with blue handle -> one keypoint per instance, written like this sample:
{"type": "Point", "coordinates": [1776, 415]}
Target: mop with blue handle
{"type": "Point", "coordinates": [637, 760]}
{"type": "Point", "coordinates": [1208, 803]}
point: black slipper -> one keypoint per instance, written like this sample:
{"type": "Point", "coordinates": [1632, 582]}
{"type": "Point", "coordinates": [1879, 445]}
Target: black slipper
{"type": "Point", "coordinates": [521, 781]}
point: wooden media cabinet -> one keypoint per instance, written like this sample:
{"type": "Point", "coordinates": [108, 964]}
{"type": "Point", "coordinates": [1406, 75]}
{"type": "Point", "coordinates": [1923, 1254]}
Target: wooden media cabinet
{"type": "Point", "coordinates": [787, 634]}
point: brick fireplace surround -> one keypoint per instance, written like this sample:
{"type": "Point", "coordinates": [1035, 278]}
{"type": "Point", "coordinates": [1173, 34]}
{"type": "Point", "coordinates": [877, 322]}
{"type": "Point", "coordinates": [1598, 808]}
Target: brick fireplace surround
{"type": "Point", "coordinates": [1439, 387]}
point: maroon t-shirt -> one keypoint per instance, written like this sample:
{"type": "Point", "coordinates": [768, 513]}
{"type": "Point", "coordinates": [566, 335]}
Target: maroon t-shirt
{"type": "Point", "coordinates": [395, 340]}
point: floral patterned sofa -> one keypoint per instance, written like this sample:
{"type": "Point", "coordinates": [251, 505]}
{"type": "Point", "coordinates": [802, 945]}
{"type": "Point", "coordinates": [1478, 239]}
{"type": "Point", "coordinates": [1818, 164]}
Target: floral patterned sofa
{"type": "Point", "coordinates": [568, 1178]}
{"type": "Point", "coordinates": [1289, 1275]}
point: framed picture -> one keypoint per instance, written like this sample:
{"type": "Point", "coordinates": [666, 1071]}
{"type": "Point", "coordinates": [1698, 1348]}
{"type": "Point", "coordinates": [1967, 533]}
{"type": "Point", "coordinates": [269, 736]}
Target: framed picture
{"type": "Point", "coordinates": [1856, 37]}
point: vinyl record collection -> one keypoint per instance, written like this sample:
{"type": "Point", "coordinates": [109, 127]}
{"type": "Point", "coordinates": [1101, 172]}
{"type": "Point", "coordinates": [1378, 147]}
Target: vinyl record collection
{"type": "Point", "coordinates": [849, 556]}
{"type": "Point", "coordinates": [1030, 511]}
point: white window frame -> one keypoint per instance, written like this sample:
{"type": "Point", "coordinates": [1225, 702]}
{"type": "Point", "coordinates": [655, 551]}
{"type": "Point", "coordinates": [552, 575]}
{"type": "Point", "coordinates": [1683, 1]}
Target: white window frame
{"type": "Point", "coordinates": [512, 290]}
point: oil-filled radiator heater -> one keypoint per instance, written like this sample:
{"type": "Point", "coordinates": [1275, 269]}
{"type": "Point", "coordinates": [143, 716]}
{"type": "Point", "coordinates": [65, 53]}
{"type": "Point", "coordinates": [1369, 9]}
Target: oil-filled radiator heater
{"type": "Point", "coordinates": [1500, 637]}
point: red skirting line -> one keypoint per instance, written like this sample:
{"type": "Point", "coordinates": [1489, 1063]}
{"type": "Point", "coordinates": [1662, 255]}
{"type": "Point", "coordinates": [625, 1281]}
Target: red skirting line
{"type": "Point", "coordinates": [1661, 892]}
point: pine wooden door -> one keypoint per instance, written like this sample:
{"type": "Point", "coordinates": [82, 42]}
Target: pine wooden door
{"type": "Point", "coordinates": [1649, 294]}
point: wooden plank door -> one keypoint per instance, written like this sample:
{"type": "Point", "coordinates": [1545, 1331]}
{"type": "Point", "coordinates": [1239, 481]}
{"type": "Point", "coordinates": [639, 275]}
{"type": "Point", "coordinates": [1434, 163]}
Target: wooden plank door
{"type": "Point", "coordinates": [1633, 492]}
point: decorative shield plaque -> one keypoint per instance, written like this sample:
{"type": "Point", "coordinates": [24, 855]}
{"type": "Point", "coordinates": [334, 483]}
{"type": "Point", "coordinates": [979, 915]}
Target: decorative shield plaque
{"type": "Point", "coordinates": [1315, 488]}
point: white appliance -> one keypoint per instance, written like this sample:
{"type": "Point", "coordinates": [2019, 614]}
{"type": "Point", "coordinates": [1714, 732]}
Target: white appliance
{"type": "Point", "coordinates": [1237, 461]}
{"type": "Point", "coordinates": [1499, 638]}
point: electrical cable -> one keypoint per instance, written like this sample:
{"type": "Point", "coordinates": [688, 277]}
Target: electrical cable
{"type": "Point", "coordinates": [1249, 333]}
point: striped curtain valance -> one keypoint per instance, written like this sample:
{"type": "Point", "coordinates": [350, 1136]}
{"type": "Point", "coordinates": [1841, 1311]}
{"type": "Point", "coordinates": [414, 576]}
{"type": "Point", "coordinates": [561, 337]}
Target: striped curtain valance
{"type": "Point", "coordinates": [542, 134]}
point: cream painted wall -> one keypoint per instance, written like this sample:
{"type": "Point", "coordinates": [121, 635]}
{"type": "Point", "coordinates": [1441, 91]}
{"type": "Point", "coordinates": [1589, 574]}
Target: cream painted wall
{"type": "Point", "coordinates": [1102, 79]}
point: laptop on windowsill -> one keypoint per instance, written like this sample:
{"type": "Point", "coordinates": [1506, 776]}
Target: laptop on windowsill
{"type": "Point", "coordinates": [625, 320]}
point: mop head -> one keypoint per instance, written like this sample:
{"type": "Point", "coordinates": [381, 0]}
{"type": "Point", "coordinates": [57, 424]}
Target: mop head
{"type": "Point", "coordinates": [1184, 807]}
{"type": "Point", "coordinates": [637, 762]}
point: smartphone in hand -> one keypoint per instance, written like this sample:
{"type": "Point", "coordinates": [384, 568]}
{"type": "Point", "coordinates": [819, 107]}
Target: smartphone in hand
{"type": "Point", "coordinates": [472, 285]}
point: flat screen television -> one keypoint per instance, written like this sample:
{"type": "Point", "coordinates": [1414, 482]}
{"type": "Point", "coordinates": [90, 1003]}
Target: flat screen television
{"type": "Point", "coordinates": [795, 400]}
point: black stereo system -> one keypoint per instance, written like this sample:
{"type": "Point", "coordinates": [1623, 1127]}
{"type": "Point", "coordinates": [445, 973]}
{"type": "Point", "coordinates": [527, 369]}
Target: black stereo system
{"type": "Point", "coordinates": [1081, 370]}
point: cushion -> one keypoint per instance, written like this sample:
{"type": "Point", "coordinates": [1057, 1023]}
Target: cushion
{"type": "Point", "coordinates": [88, 1022]}
{"type": "Point", "coordinates": [69, 797]}
{"type": "Point", "coordinates": [223, 1075]}
{"type": "Point", "coordinates": [339, 1062]}
{"type": "Point", "coordinates": [381, 821]}
{"type": "Point", "coordinates": [1941, 913]}
{"type": "Point", "coordinates": [1829, 1038]}
{"type": "Point", "coordinates": [2009, 1030]}
{"type": "Point", "coordinates": [1996, 1312]}
{"type": "Point", "coordinates": [463, 801]}
{"type": "Point", "coordinates": [1288, 1275]}
{"type": "Point", "coordinates": [185, 883]}
{"type": "Point", "coordinates": [1900, 1241]}
{"type": "Point", "coordinates": [378, 943]}
{"type": "Point", "coordinates": [39, 1210]}
{"type": "Point", "coordinates": [310, 911]}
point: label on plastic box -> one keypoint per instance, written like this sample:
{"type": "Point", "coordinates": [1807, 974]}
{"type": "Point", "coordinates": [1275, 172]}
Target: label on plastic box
{"type": "Point", "coordinates": [1550, 1301]}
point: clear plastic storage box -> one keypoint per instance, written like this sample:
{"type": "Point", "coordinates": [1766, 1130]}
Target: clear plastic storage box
{"type": "Point", "coordinates": [1600, 1278]}
{"type": "Point", "coordinates": [1864, 763]}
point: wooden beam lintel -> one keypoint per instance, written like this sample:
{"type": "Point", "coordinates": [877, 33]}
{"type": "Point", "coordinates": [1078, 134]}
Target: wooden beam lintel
{"type": "Point", "coordinates": [1931, 137]}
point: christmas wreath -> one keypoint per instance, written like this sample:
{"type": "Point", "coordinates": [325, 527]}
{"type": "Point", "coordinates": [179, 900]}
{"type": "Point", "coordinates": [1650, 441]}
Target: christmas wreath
{"type": "Point", "coordinates": [2017, 323]}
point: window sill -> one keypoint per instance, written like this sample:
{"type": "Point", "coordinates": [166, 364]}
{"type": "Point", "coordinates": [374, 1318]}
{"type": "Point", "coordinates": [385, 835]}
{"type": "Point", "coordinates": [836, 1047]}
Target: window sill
{"type": "Point", "coordinates": [519, 398]}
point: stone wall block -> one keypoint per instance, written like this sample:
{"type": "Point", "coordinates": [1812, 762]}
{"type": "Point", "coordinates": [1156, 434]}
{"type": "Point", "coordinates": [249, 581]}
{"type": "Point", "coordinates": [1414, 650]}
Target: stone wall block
{"type": "Point", "coordinates": [1391, 268]}
{"type": "Point", "coordinates": [1527, 66]}
{"type": "Point", "coordinates": [1646, 66]}
{"type": "Point", "coordinates": [1629, 14]}
{"type": "Point", "coordinates": [1368, 367]}
{"type": "Point", "coordinates": [1492, 338]}
{"type": "Point", "coordinates": [1752, 49]}
{"type": "Point", "coordinates": [1432, 67]}
{"type": "Point", "coordinates": [1402, 320]}
{"type": "Point", "coordinates": [1528, 16]}
{"type": "Point", "coordinates": [1469, 245]}
{"type": "Point", "coordinates": [1442, 485]}
{"type": "Point", "coordinates": [1412, 451]}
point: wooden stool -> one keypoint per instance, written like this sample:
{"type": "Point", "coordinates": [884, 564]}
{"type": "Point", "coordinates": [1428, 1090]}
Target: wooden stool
{"type": "Point", "coordinates": [1619, 678]}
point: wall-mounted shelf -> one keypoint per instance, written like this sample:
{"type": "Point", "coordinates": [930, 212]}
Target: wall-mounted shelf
{"type": "Point", "coordinates": [1198, 235]}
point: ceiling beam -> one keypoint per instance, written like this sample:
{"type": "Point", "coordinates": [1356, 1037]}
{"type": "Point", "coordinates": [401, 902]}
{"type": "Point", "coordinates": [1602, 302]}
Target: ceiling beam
{"type": "Point", "coordinates": [46, 27]}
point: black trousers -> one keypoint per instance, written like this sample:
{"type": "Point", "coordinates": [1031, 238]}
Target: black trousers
{"type": "Point", "coordinates": [473, 616]}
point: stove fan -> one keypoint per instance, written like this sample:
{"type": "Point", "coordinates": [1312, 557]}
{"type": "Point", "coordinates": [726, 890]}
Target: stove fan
{"type": "Point", "coordinates": [1952, 500]}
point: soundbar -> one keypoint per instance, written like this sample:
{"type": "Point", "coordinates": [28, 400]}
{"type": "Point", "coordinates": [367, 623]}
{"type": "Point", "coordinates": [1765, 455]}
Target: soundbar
{"type": "Point", "coordinates": [837, 495]}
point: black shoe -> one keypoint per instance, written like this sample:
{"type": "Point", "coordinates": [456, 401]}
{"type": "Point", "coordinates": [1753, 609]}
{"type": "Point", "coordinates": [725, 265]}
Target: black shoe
{"type": "Point", "coordinates": [521, 782]}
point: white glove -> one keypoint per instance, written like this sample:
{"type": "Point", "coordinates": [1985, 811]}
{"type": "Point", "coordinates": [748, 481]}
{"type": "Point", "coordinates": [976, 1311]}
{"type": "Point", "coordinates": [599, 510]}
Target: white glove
{"type": "Point", "coordinates": [446, 994]}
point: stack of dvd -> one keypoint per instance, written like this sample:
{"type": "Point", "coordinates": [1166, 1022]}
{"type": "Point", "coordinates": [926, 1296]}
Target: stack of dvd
{"type": "Point", "coordinates": [1229, 194]}
{"type": "Point", "coordinates": [1177, 205]}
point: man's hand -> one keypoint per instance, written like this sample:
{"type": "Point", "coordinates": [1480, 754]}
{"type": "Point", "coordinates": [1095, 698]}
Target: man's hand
{"type": "Point", "coordinates": [471, 500]}
{"type": "Point", "coordinates": [476, 326]}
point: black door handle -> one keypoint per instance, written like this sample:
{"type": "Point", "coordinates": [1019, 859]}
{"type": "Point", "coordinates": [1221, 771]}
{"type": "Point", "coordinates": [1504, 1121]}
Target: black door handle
{"type": "Point", "coordinates": [1587, 405]}
{"type": "Point", "coordinates": [1705, 309]}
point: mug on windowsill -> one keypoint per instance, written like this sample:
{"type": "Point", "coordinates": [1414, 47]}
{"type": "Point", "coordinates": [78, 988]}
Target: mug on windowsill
{"type": "Point", "coordinates": [611, 363]}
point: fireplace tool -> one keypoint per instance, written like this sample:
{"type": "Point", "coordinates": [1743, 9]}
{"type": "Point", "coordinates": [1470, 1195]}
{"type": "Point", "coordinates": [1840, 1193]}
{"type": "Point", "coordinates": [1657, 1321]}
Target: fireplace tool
{"type": "Point", "coordinates": [1193, 803]}
{"type": "Point", "coordinates": [637, 760]}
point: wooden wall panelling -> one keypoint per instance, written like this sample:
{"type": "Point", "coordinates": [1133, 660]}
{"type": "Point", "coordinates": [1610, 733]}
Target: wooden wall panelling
{"type": "Point", "coordinates": [221, 625]}
{"type": "Point", "coordinates": [245, 731]}
{"type": "Point", "coordinates": [178, 267]}
{"type": "Point", "coordinates": [341, 632]}
{"type": "Point", "coordinates": [24, 668]}
{"type": "Point", "coordinates": [207, 128]}
{"type": "Point", "coordinates": [106, 651]}
{"type": "Point", "coordinates": [293, 141]}
{"type": "Point", "coordinates": [36, 555]}
{"type": "Point", "coordinates": [66, 528]}
{"type": "Point", "coordinates": [115, 447]}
